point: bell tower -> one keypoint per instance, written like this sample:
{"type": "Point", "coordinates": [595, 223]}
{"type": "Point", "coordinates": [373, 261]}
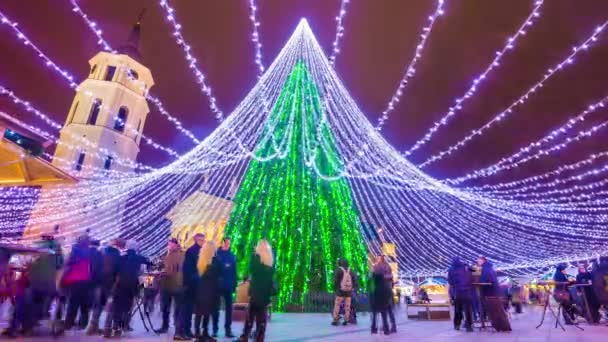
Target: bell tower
{"type": "Point", "coordinates": [101, 134]}
{"type": "Point", "coordinates": [108, 112]}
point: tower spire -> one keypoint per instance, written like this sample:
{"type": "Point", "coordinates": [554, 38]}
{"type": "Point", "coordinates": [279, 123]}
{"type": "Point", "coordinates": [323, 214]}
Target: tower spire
{"type": "Point", "coordinates": [131, 46]}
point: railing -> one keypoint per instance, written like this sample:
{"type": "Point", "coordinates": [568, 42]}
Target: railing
{"type": "Point", "coordinates": [324, 302]}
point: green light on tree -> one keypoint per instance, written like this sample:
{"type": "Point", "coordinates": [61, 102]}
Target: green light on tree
{"type": "Point", "coordinates": [310, 222]}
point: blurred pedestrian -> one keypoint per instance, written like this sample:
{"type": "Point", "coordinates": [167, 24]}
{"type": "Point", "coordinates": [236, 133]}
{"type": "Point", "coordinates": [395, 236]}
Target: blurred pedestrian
{"type": "Point", "coordinates": [171, 285]}
{"type": "Point", "coordinates": [228, 281]}
{"type": "Point", "coordinates": [207, 296]}
{"type": "Point", "coordinates": [261, 289]}
{"type": "Point", "coordinates": [460, 279]}
{"type": "Point", "coordinates": [190, 282]}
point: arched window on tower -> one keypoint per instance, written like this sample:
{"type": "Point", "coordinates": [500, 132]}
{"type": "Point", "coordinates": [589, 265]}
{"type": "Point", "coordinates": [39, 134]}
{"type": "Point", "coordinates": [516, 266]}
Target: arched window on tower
{"type": "Point", "coordinates": [79, 161]}
{"type": "Point", "coordinates": [121, 119]}
{"type": "Point", "coordinates": [93, 69]}
{"type": "Point", "coordinates": [139, 126]}
{"type": "Point", "coordinates": [108, 163]}
{"type": "Point", "coordinates": [110, 71]}
{"type": "Point", "coordinates": [94, 114]}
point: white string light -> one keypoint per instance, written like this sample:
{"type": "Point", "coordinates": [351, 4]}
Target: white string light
{"type": "Point", "coordinates": [339, 31]}
{"type": "Point", "coordinates": [410, 70]}
{"type": "Point", "coordinates": [459, 102]}
{"type": "Point", "coordinates": [589, 42]}
{"type": "Point", "coordinates": [255, 37]}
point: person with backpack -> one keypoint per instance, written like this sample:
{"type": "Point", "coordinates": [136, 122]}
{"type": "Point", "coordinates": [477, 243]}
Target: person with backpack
{"type": "Point", "coordinates": [344, 284]}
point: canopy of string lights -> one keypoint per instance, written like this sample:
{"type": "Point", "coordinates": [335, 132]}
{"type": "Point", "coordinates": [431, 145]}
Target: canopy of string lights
{"type": "Point", "coordinates": [306, 169]}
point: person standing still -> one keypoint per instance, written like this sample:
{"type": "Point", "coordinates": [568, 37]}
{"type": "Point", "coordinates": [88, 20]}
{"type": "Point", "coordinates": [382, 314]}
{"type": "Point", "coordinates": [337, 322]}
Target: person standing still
{"type": "Point", "coordinates": [460, 279]}
{"type": "Point", "coordinates": [261, 270]}
{"type": "Point", "coordinates": [227, 262]}
{"type": "Point", "coordinates": [344, 284]}
{"type": "Point", "coordinates": [190, 282]}
{"type": "Point", "coordinates": [171, 285]}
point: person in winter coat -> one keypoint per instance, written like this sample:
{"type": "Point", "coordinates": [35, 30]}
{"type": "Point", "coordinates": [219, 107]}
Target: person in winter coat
{"type": "Point", "coordinates": [76, 280]}
{"type": "Point", "coordinates": [126, 288]}
{"type": "Point", "coordinates": [600, 280]}
{"type": "Point", "coordinates": [95, 280]}
{"type": "Point", "coordinates": [171, 285]}
{"type": "Point", "coordinates": [593, 306]}
{"type": "Point", "coordinates": [43, 275]}
{"type": "Point", "coordinates": [228, 282]}
{"type": "Point", "coordinates": [382, 267]}
{"type": "Point", "coordinates": [344, 285]}
{"type": "Point", "coordinates": [110, 260]}
{"type": "Point", "coordinates": [190, 282]}
{"type": "Point", "coordinates": [207, 293]}
{"type": "Point", "coordinates": [261, 272]}
{"type": "Point", "coordinates": [562, 295]}
{"type": "Point", "coordinates": [460, 279]}
{"type": "Point", "coordinates": [380, 301]}
{"type": "Point", "coordinates": [488, 275]}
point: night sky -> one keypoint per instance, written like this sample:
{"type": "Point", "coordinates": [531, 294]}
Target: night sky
{"type": "Point", "coordinates": [380, 38]}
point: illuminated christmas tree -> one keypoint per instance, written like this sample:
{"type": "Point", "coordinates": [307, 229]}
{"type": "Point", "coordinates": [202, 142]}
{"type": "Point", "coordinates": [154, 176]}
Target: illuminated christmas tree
{"type": "Point", "coordinates": [310, 220]}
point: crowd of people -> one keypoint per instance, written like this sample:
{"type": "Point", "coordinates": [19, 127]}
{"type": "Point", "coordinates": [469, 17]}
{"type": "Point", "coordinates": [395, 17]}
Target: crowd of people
{"type": "Point", "coordinates": [475, 291]}
{"type": "Point", "coordinates": [93, 280]}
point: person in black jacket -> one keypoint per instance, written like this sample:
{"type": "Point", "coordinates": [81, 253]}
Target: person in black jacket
{"type": "Point", "coordinates": [94, 282]}
{"type": "Point", "coordinates": [488, 275]}
{"type": "Point", "coordinates": [460, 279]}
{"type": "Point", "coordinates": [207, 292]}
{"type": "Point", "coordinates": [110, 266]}
{"type": "Point", "coordinates": [227, 262]}
{"type": "Point", "coordinates": [190, 281]}
{"type": "Point", "coordinates": [593, 306]}
{"type": "Point", "coordinates": [126, 288]}
{"type": "Point", "coordinates": [261, 271]}
{"type": "Point", "coordinates": [562, 295]}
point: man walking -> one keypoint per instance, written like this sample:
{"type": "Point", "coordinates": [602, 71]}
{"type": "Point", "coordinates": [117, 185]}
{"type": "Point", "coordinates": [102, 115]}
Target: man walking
{"type": "Point", "coordinates": [227, 261]}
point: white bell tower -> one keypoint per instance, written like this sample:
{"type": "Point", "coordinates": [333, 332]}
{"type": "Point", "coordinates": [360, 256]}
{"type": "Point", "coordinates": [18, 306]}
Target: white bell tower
{"type": "Point", "coordinates": [101, 134]}
{"type": "Point", "coordinates": [108, 113]}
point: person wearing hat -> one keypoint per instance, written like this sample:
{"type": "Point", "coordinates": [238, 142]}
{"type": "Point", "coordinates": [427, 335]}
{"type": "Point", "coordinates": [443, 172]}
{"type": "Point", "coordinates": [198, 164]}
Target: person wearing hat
{"type": "Point", "coordinates": [562, 295]}
{"type": "Point", "coordinates": [126, 288]}
{"type": "Point", "coordinates": [110, 263]}
{"type": "Point", "coordinates": [171, 285]}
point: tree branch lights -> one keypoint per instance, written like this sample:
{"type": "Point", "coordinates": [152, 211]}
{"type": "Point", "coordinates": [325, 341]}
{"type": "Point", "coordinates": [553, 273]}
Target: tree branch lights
{"type": "Point", "coordinates": [255, 37]}
{"type": "Point", "coordinates": [410, 70]}
{"type": "Point", "coordinates": [311, 222]}
{"type": "Point", "coordinates": [339, 32]}
{"type": "Point", "coordinates": [589, 42]}
{"type": "Point", "coordinates": [459, 102]}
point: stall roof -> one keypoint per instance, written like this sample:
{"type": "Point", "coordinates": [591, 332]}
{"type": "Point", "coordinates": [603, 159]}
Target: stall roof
{"type": "Point", "coordinates": [18, 166]}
